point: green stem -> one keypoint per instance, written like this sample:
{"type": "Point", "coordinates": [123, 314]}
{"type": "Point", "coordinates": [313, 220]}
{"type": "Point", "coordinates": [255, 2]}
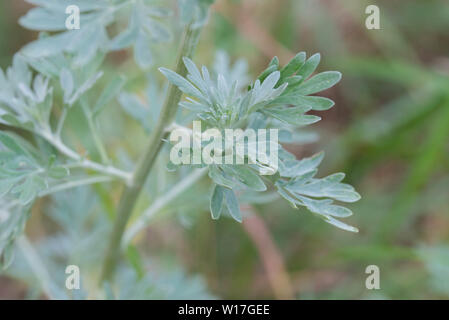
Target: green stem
{"type": "Point", "coordinates": [74, 184]}
{"type": "Point", "coordinates": [146, 162]}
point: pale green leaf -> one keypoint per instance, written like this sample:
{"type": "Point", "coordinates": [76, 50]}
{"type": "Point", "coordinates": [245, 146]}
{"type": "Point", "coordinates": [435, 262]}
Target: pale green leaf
{"type": "Point", "coordinates": [318, 83]}
{"type": "Point", "coordinates": [232, 204]}
{"type": "Point", "coordinates": [216, 201]}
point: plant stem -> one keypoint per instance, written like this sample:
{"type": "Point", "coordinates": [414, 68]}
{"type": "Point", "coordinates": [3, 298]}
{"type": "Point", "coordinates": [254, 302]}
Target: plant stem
{"type": "Point", "coordinates": [37, 266]}
{"type": "Point", "coordinates": [93, 129]}
{"type": "Point", "coordinates": [161, 202]}
{"type": "Point", "coordinates": [61, 121]}
{"type": "Point", "coordinates": [84, 163]}
{"type": "Point", "coordinates": [146, 162]}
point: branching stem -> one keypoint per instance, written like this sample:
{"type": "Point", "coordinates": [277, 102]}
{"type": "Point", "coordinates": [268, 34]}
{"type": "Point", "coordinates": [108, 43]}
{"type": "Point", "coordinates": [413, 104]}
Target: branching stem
{"type": "Point", "coordinates": [93, 129]}
{"type": "Point", "coordinates": [85, 163]}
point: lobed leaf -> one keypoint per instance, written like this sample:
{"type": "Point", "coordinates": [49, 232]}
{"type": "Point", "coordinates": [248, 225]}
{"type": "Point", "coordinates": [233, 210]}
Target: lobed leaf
{"type": "Point", "coordinates": [216, 201]}
{"type": "Point", "coordinates": [318, 83]}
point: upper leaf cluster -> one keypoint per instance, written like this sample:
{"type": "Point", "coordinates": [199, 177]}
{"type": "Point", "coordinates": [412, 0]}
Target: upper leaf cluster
{"type": "Point", "coordinates": [280, 97]}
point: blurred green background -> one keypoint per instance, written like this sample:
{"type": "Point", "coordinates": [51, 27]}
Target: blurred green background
{"type": "Point", "coordinates": [389, 131]}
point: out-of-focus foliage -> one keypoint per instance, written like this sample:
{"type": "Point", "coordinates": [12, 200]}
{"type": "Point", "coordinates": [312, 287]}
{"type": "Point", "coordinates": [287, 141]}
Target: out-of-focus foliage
{"type": "Point", "coordinates": [80, 242]}
{"type": "Point", "coordinates": [96, 16]}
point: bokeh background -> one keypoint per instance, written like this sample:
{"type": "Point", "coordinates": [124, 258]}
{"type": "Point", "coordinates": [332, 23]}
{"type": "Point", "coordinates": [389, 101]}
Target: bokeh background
{"type": "Point", "coordinates": [389, 131]}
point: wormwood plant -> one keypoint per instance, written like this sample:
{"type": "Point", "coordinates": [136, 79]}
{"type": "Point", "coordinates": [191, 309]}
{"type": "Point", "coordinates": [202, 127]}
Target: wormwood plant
{"type": "Point", "coordinates": [60, 74]}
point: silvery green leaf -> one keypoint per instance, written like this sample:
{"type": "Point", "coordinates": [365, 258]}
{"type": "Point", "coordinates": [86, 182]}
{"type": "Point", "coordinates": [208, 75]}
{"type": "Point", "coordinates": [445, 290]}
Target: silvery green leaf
{"type": "Point", "coordinates": [109, 92]}
{"type": "Point", "coordinates": [47, 67]}
{"type": "Point", "coordinates": [183, 85]}
{"type": "Point", "coordinates": [220, 178]}
{"type": "Point", "coordinates": [337, 211]}
{"type": "Point", "coordinates": [158, 12]}
{"type": "Point", "coordinates": [124, 39]}
{"type": "Point", "coordinates": [297, 137]}
{"type": "Point", "coordinates": [325, 207]}
{"type": "Point", "coordinates": [29, 189]}
{"type": "Point", "coordinates": [302, 179]}
{"type": "Point", "coordinates": [254, 197]}
{"type": "Point", "coordinates": [233, 72]}
{"type": "Point", "coordinates": [83, 43]}
{"type": "Point", "coordinates": [26, 102]}
{"type": "Point", "coordinates": [135, 108]}
{"type": "Point", "coordinates": [161, 284]}
{"type": "Point", "coordinates": [293, 115]}
{"type": "Point", "coordinates": [274, 62]}
{"type": "Point", "coordinates": [247, 176]}
{"type": "Point", "coordinates": [309, 66]}
{"type": "Point", "coordinates": [436, 260]}
{"type": "Point", "coordinates": [194, 11]}
{"type": "Point", "coordinates": [341, 225]}
{"type": "Point", "coordinates": [171, 167]}
{"type": "Point", "coordinates": [319, 82]}
{"type": "Point", "coordinates": [327, 210]}
{"type": "Point", "coordinates": [269, 82]}
{"type": "Point", "coordinates": [216, 201]}
{"type": "Point", "coordinates": [48, 45]}
{"type": "Point", "coordinates": [127, 37]}
{"type": "Point", "coordinates": [26, 91]}
{"type": "Point", "coordinates": [19, 72]}
{"type": "Point", "coordinates": [43, 20]}
{"type": "Point", "coordinates": [6, 185]}
{"type": "Point", "coordinates": [40, 88]}
{"type": "Point", "coordinates": [6, 257]}
{"type": "Point", "coordinates": [326, 187]}
{"type": "Point", "coordinates": [293, 98]}
{"type": "Point", "coordinates": [232, 204]}
{"type": "Point", "coordinates": [267, 71]}
{"type": "Point", "coordinates": [12, 223]}
{"type": "Point", "coordinates": [194, 74]}
{"type": "Point", "coordinates": [284, 194]}
{"type": "Point", "coordinates": [45, 107]}
{"type": "Point", "coordinates": [187, 10]}
{"type": "Point", "coordinates": [58, 172]}
{"type": "Point", "coordinates": [293, 168]}
{"type": "Point", "coordinates": [61, 5]}
{"type": "Point", "coordinates": [21, 169]}
{"type": "Point", "coordinates": [86, 86]}
{"type": "Point", "coordinates": [142, 51]}
{"type": "Point", "coordinates": [335, 177]}
{"type": "Point", "coordinates": [292, 82]}
{"type": "Point", "coordinates": [87, 49]}
{"type": "Point", "coordinates": [219, 102]}
{"type": "Point", "coordinates": [158, 32]}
